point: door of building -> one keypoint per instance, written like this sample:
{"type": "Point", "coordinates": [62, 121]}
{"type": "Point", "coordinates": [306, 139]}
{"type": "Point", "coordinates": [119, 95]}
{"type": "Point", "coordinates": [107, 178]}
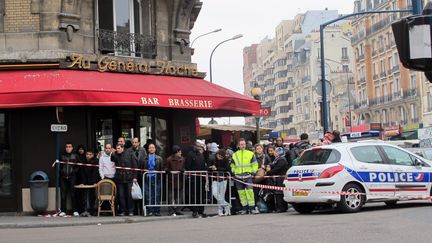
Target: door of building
{"type": "Point", "coordinates": [8, 201]}
{"type": "Point", "coordinates": [109, 126]}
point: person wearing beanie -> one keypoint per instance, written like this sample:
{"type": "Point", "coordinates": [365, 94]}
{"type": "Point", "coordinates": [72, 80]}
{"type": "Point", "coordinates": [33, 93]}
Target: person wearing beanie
{"type": "Point", "coordinates": [175, 165]}
{"type": "Point", "coordinates": [279, 168]}
{"type": "Point", "coordinates": [220, 167]}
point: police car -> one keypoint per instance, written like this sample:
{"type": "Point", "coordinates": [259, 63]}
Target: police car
{"type": "Point", "coordinates": [368, 172]}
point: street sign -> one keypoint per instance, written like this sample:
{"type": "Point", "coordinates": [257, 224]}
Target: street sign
{"type": "Point", "coordinates": [264, 111]}
{"type": "Point", "coordinates": [318, 87]}
{"type": "Point", "coordinates": [59, 128]}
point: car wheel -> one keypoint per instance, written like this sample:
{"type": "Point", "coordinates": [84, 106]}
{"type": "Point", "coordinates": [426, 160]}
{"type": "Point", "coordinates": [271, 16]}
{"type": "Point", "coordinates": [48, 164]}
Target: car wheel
{"type": "Point", "coordinates": [391, 203]}
{"type": "Point", "coordinates": [353, 202]}
{"type": "Point", "coordinates": [304, 208]}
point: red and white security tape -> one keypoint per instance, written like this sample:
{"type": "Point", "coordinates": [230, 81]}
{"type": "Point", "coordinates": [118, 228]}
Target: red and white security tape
{"type": "Point", "coordinates": [275, 188]}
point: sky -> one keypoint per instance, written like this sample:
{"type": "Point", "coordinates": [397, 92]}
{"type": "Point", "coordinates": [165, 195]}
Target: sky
{"type": "Point", "coordinates": [254, 19]}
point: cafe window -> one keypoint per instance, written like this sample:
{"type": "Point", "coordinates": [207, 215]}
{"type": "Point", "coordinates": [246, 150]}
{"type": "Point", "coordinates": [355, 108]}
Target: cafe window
{"type": "Point", "coordinates": [5, 160]}
{"type": "Point", "coordinates": [124, 28]}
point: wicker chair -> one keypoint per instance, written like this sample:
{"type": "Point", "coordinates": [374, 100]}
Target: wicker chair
{"type": "Point", "coordinates": [106, 191]}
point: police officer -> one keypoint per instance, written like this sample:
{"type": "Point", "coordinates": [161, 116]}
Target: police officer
{"type": "Point", "coordinates": [244, 167]}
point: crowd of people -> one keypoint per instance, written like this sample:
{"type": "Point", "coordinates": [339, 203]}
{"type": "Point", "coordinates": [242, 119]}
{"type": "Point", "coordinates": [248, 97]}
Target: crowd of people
{"type": "Point", "coordinates": [248, 164]}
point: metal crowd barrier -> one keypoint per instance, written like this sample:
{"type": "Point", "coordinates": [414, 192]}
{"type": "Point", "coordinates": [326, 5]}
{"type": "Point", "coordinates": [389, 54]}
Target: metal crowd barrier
{"type": "Point", "coordinates": [182, 189]}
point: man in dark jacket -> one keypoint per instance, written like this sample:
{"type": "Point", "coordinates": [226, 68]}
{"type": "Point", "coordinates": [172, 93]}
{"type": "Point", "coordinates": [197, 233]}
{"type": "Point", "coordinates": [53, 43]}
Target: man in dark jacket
{"type": "Point", "coordinates": [175, 166]}
{"type": "Point", "coordinates": [195, 161]}
{"type": "Point", "coordinates": [279, 168]}
{"type": "Point", "coordinates": [89, 176]}
{"type": "Point", "coordinates": [124, 180]}
{"type": "Point", "coordinates": [138, 154]}
{"type": "Point", "coordinates": [68, 178]}
{"type": "Point", "coordinates": [299, 147]}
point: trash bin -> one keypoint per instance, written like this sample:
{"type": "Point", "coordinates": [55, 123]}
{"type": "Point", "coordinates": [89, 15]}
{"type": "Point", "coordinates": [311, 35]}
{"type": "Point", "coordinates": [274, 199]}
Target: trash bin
{"type": "Point", "coordinates": [39, 191]}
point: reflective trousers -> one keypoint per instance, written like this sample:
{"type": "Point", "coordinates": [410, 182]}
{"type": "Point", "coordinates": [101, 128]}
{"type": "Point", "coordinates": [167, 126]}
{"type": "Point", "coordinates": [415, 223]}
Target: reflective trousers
{"type": "Point", "coordinates": [246, 193]}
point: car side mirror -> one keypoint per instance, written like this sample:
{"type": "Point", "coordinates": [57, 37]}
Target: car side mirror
{"type": "Point", "coordinates": [417, 163]}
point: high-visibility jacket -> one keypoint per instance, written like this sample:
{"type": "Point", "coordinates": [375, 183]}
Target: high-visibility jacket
{"type": "Point", "coordinates": [244, 162]}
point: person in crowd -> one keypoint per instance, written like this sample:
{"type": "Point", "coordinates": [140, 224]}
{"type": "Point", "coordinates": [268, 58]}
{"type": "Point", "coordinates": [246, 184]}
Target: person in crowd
{"type": "Point", "coordinates": [148, 142]}
{"type": "Point", "coordinates": [220, 167]}
{"type": "Point", "coordinates": [263, 160]}
{"type": "Point", "coordinates": [195, 161]}
{"type": "Point", "coordinates": [328, 138]}
{"type": "Point", "coordinates": [121, 141]}
{"type": "Point", "coordinates": [175, 166]}
{"type": "Point", "coordinates": [81, 152]}
{"type": "Point", "coordinates": [280, 144]}
{"type": "Point", "coordinates": [137, 154]}
{"type": "Point", "coordinates": [68, 179]}
{"type": "Point", "coordinates": [278, 168]}
{"type": "Point", "coordinates": [152, 187]}
{"type": "Point", "coordinates": [79, 194]}
{"type": "Point", "coordinates": [244, 167]}
{"type": "Point", "coordinates": [89, 176]}
{"type": "Point", "coordinates": [107, 168]}
{"type": "Point", "coordinates": [249, 145]}
{"type": "Point", "coordinates": [124, 180]}
{"type": "Point", "coordinates": [337, 137]}
{"type": "Point", "coordinates": [299, 147]}
{"type": "Point", "coordinates": [214, 148]}
{"type": "Point", "coordinates": [271, 152]}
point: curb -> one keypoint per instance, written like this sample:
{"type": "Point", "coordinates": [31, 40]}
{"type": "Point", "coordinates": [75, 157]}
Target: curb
{"type": "Point", "coordinates": [116, 220]}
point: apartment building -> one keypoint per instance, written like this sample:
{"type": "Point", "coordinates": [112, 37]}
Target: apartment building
{"type": "Point", "coordinates": [386, 92]}
{"type": "Point", "coordinates": [287, 70]}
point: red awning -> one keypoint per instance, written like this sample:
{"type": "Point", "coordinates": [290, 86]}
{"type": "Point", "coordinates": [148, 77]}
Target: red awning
{"type": "Point", "coordinates": [37, 88]}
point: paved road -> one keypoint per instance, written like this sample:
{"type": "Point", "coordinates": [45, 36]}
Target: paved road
{"type": "Point", "coordinates": [408, 222]}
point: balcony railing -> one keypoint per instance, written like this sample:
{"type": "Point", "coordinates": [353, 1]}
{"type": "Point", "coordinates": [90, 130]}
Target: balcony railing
{"type": "Point", "coordinates": [383, 74]}
{"type": "Point", "coordinates": [128, 44]}
{"type": "Point", "coordinates": [298, 101]}
{"type": "Point", "coordinates": [361, 104]}
{"type": "Point", "coordinates": [416, 120]}
{"type": "Point", "coordinates": [410, 93]}
{"type": "Point", "coordinates": [375, 77]}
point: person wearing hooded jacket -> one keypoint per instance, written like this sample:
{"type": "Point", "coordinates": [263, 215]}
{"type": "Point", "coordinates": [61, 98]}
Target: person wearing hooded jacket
{"type": "Point", "coordinates": [124, 180]}
{"type": "Point", "coordinates": [278, 168]}
{"type": "Point", "coordinates": [175, 166]}
{"type": "Point", "coordinates": [220, 167]}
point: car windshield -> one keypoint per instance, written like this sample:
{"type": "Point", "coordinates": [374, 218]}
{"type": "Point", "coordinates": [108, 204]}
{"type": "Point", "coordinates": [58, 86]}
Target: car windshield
{"type": "Point", "coordinates": [319, 157]}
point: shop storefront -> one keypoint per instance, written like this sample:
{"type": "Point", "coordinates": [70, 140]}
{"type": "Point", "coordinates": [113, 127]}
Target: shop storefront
{"type": "Point", "coordinates": [97, 107]}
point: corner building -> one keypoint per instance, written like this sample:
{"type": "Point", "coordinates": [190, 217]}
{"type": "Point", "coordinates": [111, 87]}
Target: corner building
{"type": "Point", "coordinates": [105, 68]}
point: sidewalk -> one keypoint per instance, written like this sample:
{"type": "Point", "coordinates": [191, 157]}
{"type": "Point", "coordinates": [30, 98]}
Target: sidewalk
{"type": "Point", "coordinates": [8, 222]}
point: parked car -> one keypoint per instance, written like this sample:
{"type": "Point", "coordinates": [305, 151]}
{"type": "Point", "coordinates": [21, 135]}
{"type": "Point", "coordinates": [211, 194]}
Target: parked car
{"type": "Point", "coordinates": [349, 175]}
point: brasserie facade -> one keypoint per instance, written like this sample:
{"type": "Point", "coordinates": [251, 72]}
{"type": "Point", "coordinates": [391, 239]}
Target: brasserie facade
{"type": "Point", "coordinates": [104, 68]}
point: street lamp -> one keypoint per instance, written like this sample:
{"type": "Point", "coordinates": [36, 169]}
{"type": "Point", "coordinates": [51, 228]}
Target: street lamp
{"type": "Point", "coordinates": [256, 93]}
{"type": "Point", "coordinates": [213, 121]}
{"type": "Point", "coordinates": [208, 33]}
{"type": "Point", "coordinates": [214, 49]}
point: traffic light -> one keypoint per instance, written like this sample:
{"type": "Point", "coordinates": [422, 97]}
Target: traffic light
{"type": "Point", "coordinates": [413, 41]}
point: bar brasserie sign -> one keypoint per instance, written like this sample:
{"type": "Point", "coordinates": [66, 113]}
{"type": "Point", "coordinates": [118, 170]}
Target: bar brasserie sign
{"type": "Point", "coordinates": [116, 64]}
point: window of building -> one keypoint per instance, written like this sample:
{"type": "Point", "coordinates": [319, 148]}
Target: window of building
{"type": "Point", "coordinates": [344, 53]}
{"type": "Point", "coordinates": [414, 113]}
{"type": "Point", "coordinates": [429, 101]}
{"type": "Point", "coordinates": [384, 116]}
{"type": "Point", "coordinates": [413, 82]}
{"type": "Point", "coordinates": [121, 28]}
{"type": "Point", "coordinates": [377, 91]}
{"type": "Point", "coordinates": [345, 68]}
{"type": "Point", "coordinates": [397, 85]}
{"type": "Point", "coordinates": [403, 114]}
{"type": "Point", "coordinates": [5, 159]}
